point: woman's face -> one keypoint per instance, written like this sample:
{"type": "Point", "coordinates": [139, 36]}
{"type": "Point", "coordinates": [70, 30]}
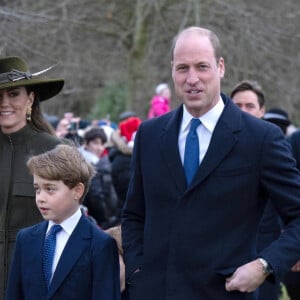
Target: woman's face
{"type": "Point", "coordinates": [14, 103]}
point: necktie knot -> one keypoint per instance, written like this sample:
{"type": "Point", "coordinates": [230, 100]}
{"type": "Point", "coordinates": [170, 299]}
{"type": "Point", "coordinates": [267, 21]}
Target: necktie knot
{"type": "Point", "coordinates": [55, 229]}
{"type": "Point", "coordinates": [194, 125]}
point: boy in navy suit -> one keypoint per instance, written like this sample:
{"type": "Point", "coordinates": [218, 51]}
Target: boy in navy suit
{"type": "Point", "coordinates": [84, 262]}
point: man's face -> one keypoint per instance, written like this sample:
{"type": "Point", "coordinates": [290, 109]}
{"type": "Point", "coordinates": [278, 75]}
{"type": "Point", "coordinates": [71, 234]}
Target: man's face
{"type": "Point", "coordinates": [247, 101]}
{"type": "Point", "coordinates": [196, 73]}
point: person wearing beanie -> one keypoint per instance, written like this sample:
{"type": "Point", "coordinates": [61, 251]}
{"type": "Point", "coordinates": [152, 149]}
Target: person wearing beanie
{"type": "Point", "coordinates": [279, 117]}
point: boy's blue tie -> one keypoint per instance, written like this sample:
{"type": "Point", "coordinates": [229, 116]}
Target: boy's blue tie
{"type": "Point", "coordinates": [191, 152]}
{"type": "Point", "coordinates": [49, 249]}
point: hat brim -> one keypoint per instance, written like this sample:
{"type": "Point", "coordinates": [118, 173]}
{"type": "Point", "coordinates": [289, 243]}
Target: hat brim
{"type": "Point", "coordinates": [45, 88]}
{"type": "Point", "coordinates": [279, 121]}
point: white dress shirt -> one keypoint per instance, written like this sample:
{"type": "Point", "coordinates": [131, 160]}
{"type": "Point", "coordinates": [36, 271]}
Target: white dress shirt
{"type": "Point", "coordinates": [205, 129]}
{"type": "Point", "coordinates": [63, 236]}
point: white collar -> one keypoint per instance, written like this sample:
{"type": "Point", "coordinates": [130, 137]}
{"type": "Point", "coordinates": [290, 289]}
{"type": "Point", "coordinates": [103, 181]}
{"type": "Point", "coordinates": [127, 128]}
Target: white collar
{"type": "Point", "coordinates": [208, 120]}
{"type": "Point", "coordinates": [70, 223]}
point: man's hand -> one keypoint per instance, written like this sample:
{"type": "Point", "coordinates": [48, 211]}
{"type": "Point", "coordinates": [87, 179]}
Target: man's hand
{"type": "Point", "coordinates": [246, 278]}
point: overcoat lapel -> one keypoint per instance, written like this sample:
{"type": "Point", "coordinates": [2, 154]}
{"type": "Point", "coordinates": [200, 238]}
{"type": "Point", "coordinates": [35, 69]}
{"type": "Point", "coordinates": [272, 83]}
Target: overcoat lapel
{"type": "Point", "coordinates": [35, 245]}
{"type": "Point", "coordinates": [169, 149]}
{"type": "Point", "coordinates": [221, 143]}
{"type": "Point", "coordinates": [78, 242]}
{"type": "Point", "coordinates": [223, 140]}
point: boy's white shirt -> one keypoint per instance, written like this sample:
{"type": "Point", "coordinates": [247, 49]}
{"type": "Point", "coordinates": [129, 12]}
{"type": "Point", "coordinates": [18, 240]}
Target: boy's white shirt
{"type": "Point", "coordinates": [63, 236]}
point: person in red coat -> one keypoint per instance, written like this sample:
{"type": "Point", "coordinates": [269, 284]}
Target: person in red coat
{"type": "Point", "coordinates": [160, 103]}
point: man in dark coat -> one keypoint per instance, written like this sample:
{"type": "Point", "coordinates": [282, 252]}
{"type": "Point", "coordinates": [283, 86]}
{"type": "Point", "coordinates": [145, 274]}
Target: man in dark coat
{"type": "Point", "coordinates": [198, 241]}
{"type": "Point", "coordinates": [249, 97]}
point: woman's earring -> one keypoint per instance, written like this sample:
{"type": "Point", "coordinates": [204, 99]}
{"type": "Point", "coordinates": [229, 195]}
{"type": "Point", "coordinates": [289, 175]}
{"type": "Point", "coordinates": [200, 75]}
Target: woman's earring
{"type": "Point", "coordinates": [28, 114]}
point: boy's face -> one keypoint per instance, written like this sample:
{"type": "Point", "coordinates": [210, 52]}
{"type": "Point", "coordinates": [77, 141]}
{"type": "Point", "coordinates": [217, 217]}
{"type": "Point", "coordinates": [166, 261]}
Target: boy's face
{"type": "Point", "coordinates": [55, 200]}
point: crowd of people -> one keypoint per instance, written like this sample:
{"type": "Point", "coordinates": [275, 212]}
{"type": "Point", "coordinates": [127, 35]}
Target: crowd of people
{"type": "Point", "coordinates": [108, 147]}
{"type": "Point", "coordinates": [198, 202]}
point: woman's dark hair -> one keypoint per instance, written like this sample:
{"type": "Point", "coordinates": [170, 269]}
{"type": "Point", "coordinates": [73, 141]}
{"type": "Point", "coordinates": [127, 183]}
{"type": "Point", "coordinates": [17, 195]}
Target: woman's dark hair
{"type": "Point", "coordinates": [38, 122]}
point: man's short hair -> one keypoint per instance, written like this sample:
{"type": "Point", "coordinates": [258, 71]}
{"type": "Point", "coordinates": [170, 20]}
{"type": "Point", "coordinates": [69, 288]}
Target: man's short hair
{"type": "Point", "coordinates": [249, 85]}
{"type": "Point", "coordinates": [215, 42]}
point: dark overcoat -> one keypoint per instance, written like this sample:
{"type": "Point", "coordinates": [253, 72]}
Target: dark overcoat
{"type": "Point", "coordinates": [186, 240]}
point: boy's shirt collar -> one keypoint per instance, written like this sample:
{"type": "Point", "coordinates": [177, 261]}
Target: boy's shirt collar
{"type": "Point", "coordinates": [69, 224]}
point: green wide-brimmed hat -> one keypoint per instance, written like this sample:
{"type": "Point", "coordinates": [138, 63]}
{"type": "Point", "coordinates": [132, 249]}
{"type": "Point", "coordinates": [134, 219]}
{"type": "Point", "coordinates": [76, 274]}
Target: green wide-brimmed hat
{"type": "Point", "coordinates": [14, 72]}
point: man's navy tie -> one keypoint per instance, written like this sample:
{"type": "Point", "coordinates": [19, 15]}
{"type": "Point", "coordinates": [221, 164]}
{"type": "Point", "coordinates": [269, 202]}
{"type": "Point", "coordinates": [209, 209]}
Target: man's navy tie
{"type": "Point", "coordinates": [191, 152]}
{"type": "Point", "coordinates": [49, 249]}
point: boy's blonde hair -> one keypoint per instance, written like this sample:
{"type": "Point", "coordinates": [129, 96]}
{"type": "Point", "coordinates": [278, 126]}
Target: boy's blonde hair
{"type": "Point", "coordinates": [63, 163]}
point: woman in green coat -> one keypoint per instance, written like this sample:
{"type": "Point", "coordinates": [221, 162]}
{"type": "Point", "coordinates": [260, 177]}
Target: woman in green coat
{"type": "Point", "coordinates": [23, 133]}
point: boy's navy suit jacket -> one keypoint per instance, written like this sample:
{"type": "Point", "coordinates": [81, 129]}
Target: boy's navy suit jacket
{"type": "Point", "coordinates": [88, 267]}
